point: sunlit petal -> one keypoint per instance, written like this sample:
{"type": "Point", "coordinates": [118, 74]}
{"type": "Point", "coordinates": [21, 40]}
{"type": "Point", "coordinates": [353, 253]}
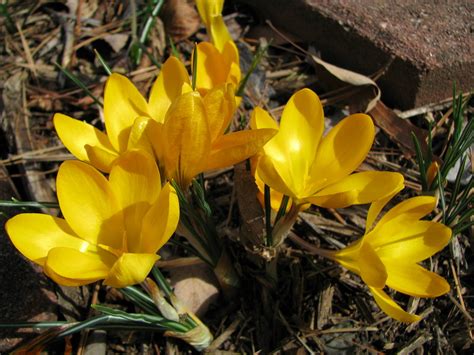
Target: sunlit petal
{"type": "Point", "coordinates": [271, 176]}
{"type": "Point", "coordinates": [160, 222]}
{"type": "Point", "coordinates": [123, 103]}
{"type": "Point", "coordinates": [167, 87]}
{"type": "Point", "coordinates": [76, 135]}
{"type": "Point", "coordinates": [35, 234]}
{"type": "Point", "coordinates": [413, 209]}
{"type": "Point", "coordinates": [358, 188]}
{"type": "Point", "coordinates": [391, 308]}
{"type": "Point", "coordinates": [219, 33]}
{"type": "Point", "coordinates": [136, 183]}
{"type": "Point", "coordinates": [344, 148]}
{"type": "Point", "coordinates": [77, 265]}
{"type": "Point", "coordinates": [262, 119]}
{"type": "Point", "coordinates": [88, 204]}
{"type": "Point", "coordinates": [130, 269]}
{"type": "Point", "coordinates": [414, 280]}
{"type": "Point", "coordinates": [413, 242]}
{"type": "Point", "coordinates": [301, 128]}
{"type": "Point", "coordinates": [235, 147]}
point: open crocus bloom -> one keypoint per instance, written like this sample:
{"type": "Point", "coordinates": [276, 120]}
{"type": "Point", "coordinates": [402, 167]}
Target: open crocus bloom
{"type": "Point", "coordinates": [184, 129]}
{"type": "Point", "coordinates": [217, 62]}
{"type": "Point", "coordinates": [389, 255]}
{"type": "Point", "coordinates": [300, 163]}
{"type": "Point", "coordinates": [112, 228]}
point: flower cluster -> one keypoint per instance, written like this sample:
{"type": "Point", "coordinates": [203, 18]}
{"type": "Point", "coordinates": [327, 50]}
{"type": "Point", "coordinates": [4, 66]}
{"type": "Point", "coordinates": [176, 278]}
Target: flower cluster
{"type": "Point", "coordinates": [119, 205]}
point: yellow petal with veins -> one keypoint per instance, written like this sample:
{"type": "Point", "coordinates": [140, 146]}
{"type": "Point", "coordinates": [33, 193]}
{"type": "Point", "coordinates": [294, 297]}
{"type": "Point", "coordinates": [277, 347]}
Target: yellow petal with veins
{"type": "Point", "coordinates": [371, 268]}
{"type": "Point", "coordinates": [412, 208]}
{"type": "Point", "coordinates": [130, 269]}
{"type": "Point", "coordinates": [89, 205]}
{"type": "Point", "coordinates": [101, 159]}
{"type": "Point", "coordinates": [167, 87]}
{"type": "Point", "coordinates": [123, 103]}
{"type": "Point", "coordinates": [138, 138]}
{"type": "Point", "coordinates": [235, 147]}
{"type": "Point", "coordinates": [188, 139]}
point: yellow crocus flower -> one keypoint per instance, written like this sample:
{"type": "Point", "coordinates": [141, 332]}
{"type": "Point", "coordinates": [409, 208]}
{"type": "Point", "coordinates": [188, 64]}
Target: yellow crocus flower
{"type": "Point", "coordinates": [302, 164]}
{"type": "Point", "coordinates": [112, 228]}
{"type": "Point", "coordinates": [184, 129]}
{"type": "Point", "coordinates": [217, 62]}
{"type": "Point", "coordinates": [389, 254]}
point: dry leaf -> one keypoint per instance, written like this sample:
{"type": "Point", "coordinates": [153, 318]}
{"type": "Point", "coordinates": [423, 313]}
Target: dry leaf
{"type": "Point", "coordinates": [180, 18]}
{"type": "Point", "coordinates": [398, 129]}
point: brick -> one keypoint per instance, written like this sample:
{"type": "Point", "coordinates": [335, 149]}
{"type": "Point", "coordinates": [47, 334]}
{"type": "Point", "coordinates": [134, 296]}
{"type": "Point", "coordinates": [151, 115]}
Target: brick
{"type": "Point", "coordinates": [431, 42]}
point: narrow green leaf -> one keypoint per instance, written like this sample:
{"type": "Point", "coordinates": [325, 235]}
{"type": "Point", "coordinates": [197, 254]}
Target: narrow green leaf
{"type": "Point", "coordinates": [103, 62]}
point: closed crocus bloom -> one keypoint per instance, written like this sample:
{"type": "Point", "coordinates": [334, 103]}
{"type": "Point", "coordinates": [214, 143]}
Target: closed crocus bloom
{"type": "Point", "coordinates": [112, 228]}
{"type": "Point", "coordinates": [309, 168]}
{"type": "Point", "coordinates": [389, 254]}
{"type": "Point", "coordinates": [192, 138]}
{"type": "Point", "coordinates": [126, 114]}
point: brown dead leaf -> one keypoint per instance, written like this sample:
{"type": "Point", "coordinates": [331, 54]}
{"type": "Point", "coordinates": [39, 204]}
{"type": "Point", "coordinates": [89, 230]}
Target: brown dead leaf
{"type": "Point", "coordinates": [398, 129]}
{"type": "Point", "coordinates": [180, 18]}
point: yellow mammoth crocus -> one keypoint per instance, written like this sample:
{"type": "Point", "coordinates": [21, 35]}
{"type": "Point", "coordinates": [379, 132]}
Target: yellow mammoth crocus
{"type": "Point", "coordinates": [389, 254]}
{"type": "Point", "coordinates": [112, 228]}
{"type": "Point", "coordinates": [309, 168]}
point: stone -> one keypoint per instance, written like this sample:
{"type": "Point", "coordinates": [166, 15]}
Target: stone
{"type": "Point", "coordinates": [431, 43]}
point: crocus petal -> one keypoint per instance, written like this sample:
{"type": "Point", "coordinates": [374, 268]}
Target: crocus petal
{"type": "Point", "coordinates": [130, 269]}
{"type": "Point", "coordinates": [413, 208]}
{"type": "Point", "coordinates": [372, 270]}
{"type": "Point", "coordinates": [160, 222]}
{"type": "Point", "coordinates": [219, 33]}
{"type": "Point", "coordinates": [209, 8]}
{"type": "Point", "coordinates": [378, 205]}
{"type": "Point", "coordinates": [100, 158]}
{"type": "Point", "coordinates": [271, 176]}
{"type": "Point", "coordinates": [167, 87]}
{"type": "Point", "coordinates": [220, 107]}
{"type": "Point", "coordinates": [235, 147]}
{"type": "Point", "coordinates": [358, 188]}
{"type": "Point", "coordinates": [136, 183]}
{"type": "Point", "coordinates": [123, 103]}
{"type": "Point", "coordinates": [138, 138]}
{"type": "Point", "coordinates": [212, 70]}
{"type": "Point", "coordinates": [344, 148]}
{"type": "Point", "coordinates": [301, 128]}
{"type": "Point", "coordinates": [262, 119]}
{"type": "Point", "coordinates": [35, 234]}
{"type": "Point", "coordinates": [414, 280]}
{"type": "Point", "coordinates": [76, 135]}
{"type": "Point", "coordinates": [88, 204]}
{"type": "Point", "coordinates": [409, 242]}
{"type": "Point", "coordinates": [188, 138]}
{"type": "Point", "coordinates": [64, 280]}
{"type": "Point", "coordinates": [154, 134]}
{"type": "Point", "coordinates": [391, 308]}
{"type": "Point", "coordinates": [76, 265]}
